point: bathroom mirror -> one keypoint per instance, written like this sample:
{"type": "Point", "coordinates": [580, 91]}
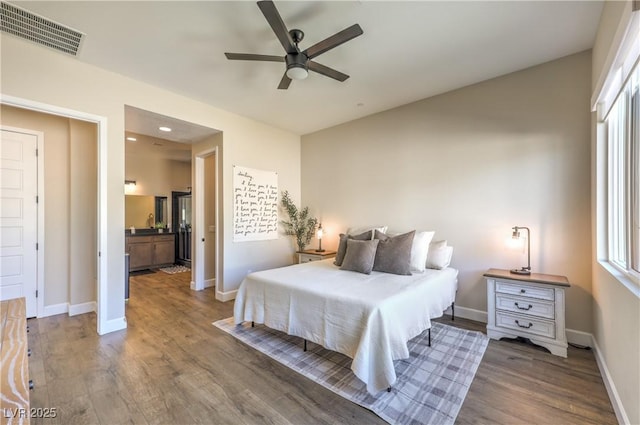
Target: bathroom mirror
{"type": "Point", "coordinates": [161, 210]}
{"type": "Point", "coordinates": [144, 211]}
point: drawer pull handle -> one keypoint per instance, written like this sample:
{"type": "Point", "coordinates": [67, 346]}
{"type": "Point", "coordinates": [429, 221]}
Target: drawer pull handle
{"type": "Point", "coordinates": [522, 291]}
{"type": "Point", "coordinates": [523, 308]}
{"type": "Point", "coordinates": [524, 326]}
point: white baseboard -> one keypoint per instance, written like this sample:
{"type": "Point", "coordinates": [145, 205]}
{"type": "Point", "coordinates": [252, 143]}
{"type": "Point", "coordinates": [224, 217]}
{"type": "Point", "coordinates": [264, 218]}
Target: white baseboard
{"type": "Point", "coordinates": [208, 283]}
{"type": "Point", "coordinates": [75, 309]}
{"type": "Point", "coordinates": [618, 407]}
{"type": "Point", "coordinates": [52, 310]}
{"type": "Point", "coordinates": [112, 325]}
{"type": "Point", "coordinates": [579, 338]}
{"type": "Point", "coordinates": [71, 309]}
{"type": "Point", "coordinates": [226, 296]}
{"type": "Point", "coordinates": [573, 336]}
{"type": "Point", "coordinates": [469, 313]}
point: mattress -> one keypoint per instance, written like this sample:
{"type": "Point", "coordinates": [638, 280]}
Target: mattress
{"type": "Point", "coordinates": [369, 318]}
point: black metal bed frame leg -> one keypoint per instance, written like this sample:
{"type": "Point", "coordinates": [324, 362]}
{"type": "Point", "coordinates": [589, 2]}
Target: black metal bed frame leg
{"type": "Point", "coordinates": [429, 337]}
{"type": "Point", "coordinates": [253, 325]}
{"type": "Point", "coordinates": [305, 345]}
{"type": "Point", "coordinates": [388, 389]}
{"type": "Point", "coordinates": [453, 311]}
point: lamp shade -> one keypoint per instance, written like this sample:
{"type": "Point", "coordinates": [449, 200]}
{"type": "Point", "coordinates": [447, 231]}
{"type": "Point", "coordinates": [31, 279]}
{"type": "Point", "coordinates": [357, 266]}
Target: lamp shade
{"type": "Point", "coordinates": [129, 186]}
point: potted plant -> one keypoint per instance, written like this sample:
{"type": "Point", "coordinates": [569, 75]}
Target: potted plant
{"type": "Point", "coordinates": [160, 226]}
{"type": "Point", "coordinates": [300, 224]}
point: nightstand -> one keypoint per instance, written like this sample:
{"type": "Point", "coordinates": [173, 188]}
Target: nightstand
{"type": "Point", "coordinates": [527, 306]}
{"type": "Point", "coordinates": [313, 255]}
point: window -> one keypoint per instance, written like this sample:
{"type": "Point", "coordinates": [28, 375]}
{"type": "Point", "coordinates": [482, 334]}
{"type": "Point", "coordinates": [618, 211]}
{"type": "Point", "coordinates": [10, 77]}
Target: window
{"type": "Point", "coordinates": [623, 177]}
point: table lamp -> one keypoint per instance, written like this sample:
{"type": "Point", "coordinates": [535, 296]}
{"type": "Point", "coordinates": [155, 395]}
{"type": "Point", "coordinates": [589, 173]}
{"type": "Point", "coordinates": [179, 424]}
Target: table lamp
{"type": "Point", "coordinates": [516, 235]}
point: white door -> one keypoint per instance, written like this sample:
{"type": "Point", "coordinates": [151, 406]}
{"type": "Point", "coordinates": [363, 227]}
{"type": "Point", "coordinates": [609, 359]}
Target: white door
{"type": "Point", "coordinates": [18, 217]}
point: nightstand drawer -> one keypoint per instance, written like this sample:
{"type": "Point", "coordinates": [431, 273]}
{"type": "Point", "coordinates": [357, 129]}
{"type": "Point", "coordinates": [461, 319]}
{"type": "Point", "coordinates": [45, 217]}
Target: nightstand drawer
{"type": "Point", "coordinates": [525, 290]}
{"type": "Point", "coordinates": [525, 305]}
{"type": "Point", "coordinates": [309, 255]}
{"type": "Point", "coordinates": [305, 258]}
{"type": "Point", "coordinates": [525, 324]}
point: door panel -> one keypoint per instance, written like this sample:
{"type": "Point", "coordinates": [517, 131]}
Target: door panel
{"type": "Point", "coordinates": [18, 217]}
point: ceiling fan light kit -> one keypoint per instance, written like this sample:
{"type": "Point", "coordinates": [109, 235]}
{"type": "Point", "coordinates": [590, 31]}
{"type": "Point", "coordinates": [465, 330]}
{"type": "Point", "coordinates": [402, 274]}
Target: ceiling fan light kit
{"type": "Point", "coordinates": [297, 72]}
{"type": "Point", "coordinates": [298, 63]}
{"type": "Point", "coordinates": [296, 66]}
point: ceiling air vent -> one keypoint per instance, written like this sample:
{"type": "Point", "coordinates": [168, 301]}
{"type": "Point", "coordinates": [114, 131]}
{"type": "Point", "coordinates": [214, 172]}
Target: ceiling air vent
{"type": "Point", "coordinates": [24, 24]}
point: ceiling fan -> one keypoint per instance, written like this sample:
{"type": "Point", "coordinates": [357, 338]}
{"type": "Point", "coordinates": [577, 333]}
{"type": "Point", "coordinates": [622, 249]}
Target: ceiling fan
{"type": "Point", "coordinates": [299, 63]}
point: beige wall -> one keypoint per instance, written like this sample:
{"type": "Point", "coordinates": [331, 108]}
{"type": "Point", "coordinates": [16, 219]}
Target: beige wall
{"type": "Point", "coordinates": [37, 74]}
{"type": "Point", "coordinates": [470, 164]}
{"type": "Point", "coordinates": [157, 177]}
{"type": "Point", "coordinates": [70, 182]}
{"type": "Point", "coordinates": [616, 310]}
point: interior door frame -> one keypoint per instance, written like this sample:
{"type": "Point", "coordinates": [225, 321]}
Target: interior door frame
{"type": "Point", "coordinates": [39, 213]}
{"type": "Point", "coordinates": [102, 252]}
{"type": "Point", "coordinates": [199, 221]}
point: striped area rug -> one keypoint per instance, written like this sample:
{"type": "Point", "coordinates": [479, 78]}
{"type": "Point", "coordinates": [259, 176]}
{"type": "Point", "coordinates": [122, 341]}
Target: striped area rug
{"type": "Point", "coordinates": [431, 385]}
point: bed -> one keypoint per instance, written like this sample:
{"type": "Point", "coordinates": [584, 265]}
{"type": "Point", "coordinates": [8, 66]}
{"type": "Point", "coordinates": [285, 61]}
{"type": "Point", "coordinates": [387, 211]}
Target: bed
{"type": "Point", "coordinates": [369, 318]}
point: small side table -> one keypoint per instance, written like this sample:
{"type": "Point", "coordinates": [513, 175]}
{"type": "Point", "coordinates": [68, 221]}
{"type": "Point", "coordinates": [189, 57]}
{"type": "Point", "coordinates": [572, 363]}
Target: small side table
{"type": "Point", "coordinates": [527, 306]}
{"type": "Point", "coordinates": [313, 255]}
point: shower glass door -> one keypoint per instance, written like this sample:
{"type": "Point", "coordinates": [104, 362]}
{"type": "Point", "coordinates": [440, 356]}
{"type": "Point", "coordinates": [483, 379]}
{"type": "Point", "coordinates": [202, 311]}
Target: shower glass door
{"type": "Point", "coordinates": [182, 226]}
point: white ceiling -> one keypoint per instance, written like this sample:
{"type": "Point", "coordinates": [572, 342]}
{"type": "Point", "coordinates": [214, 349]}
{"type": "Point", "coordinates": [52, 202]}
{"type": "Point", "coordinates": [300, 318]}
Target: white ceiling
{"type": "Point", "coordinates": [409, 50]}
{"type": "Point", "coordinates": [146, 148]}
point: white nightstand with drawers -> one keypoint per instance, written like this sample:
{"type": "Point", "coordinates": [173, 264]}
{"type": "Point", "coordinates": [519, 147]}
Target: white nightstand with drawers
{"type": "Point", "coordinates": [528, 306]}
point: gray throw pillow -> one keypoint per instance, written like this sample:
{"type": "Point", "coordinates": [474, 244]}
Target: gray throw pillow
{"type": "Point", "coordinates": [342, 246]}
{"type": "Point", "coordinates": [359, 255]}
{"type": "Point", "coordinates": [394, 253]}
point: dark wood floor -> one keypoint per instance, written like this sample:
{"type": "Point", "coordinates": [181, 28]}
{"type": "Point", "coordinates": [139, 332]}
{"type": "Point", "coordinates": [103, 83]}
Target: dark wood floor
{"type": "Point", "coordinates": [172, 366]}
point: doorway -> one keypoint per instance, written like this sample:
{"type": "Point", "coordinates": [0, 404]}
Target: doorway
{"type": "Point", "coordinates": [206, 239]}
{"type": "Point", "coordinates": [98, 252]}
{"type": "Point", "coordinates": [152, 158]}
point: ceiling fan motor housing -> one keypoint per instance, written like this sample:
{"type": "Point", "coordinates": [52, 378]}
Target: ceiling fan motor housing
{"type": "Point", "coordinates": [296, 60]}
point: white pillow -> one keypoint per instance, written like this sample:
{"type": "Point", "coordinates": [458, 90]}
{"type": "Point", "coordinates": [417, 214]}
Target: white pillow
{"type": "Point", "coordinates": [359, 230]}
{"type": "Point", "coordinates": [439, 255]}
{"type": "Point", "coordinates": [420, 250]}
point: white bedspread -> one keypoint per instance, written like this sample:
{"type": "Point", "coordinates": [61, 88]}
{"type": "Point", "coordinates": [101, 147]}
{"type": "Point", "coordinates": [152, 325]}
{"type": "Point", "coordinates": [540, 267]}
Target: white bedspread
{"type": "Point", "coordinates": [370, 318]}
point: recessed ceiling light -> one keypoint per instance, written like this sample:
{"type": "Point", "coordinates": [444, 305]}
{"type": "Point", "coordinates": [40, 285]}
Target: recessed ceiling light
{"type": "Point", "coordinates": [131, 139]}
{"type": "Point", "coordinates": [167, 129]}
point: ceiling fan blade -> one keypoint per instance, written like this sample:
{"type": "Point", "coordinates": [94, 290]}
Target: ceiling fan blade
{"type": "Point", "coordinates": [277, 25]}
{"type": "Point", "coordinates": [252, 57]}
{"type": "Point", "coordinates": [334, 41]}
{"type": "Point", "coordinates": [284, 83]}
{"type": "Point", "coordinates": [326, 71]}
